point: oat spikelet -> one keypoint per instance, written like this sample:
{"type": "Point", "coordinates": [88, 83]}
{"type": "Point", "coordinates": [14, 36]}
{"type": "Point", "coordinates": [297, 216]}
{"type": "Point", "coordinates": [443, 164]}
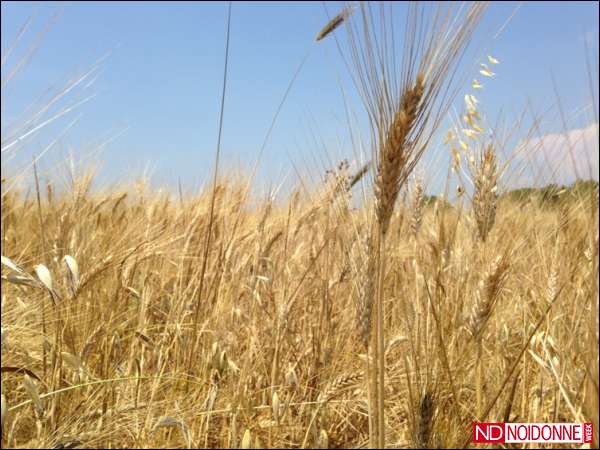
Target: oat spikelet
{"type": "Point", "coordinates": [247, 439]}
{"type": "Point", "coordinates": [323, 440]}
{"type": "Point", "coordinates": [276, 404]}
{"type": "Point", "coordinates": [33, 393]}
{"type": "Point", "coordinates": [72, 273]}
{"type": "Point", "coordinates": [44, 276]}
{"type": "Point", "coordinates": [489, 289]}
{"type": "Point", "coordinates": [485, 195]}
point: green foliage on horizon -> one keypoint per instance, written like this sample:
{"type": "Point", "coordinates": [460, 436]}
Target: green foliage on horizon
{"type": "Point", "coordinates": [553, 194]}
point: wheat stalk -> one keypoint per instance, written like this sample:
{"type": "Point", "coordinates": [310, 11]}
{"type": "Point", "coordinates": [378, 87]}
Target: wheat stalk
{"type": "Point", "coordinates": [394, 153]}
{"type": "Point", "coordinates": [489, 290]}
{"type": "Point", "coordinates": [416, 207]}
{"type": "Point", "coordinates": [404, 113]}
{"type": "Point", "coordinates": [485, 195]}
{"type": "Point", "coordinates": [339, 385]}
{"type": "Point", "coordinates": [334, 23]}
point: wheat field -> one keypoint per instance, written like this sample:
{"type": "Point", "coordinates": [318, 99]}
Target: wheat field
{"type": "Point", "coordinates": [363, 313]}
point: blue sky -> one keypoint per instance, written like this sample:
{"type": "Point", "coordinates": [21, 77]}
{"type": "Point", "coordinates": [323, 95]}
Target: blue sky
{"type": "Point", "coordinates": [162, 80]}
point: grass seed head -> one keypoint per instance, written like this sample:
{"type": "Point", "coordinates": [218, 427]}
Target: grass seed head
{"type": "Point", "coordinates": [334, 23]}
{"type": "Point", "coordinates": [247, 439]}
{"type": "Point", "coordinates": [485, 196]}
{"type": "Point", "coordinates": [33, 393]}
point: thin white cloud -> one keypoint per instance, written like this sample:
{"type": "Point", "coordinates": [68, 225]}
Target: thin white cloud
{"type": "Point", "coordinates": [560, 157]}
{"type": "Point", "coordinates": [590, 38]}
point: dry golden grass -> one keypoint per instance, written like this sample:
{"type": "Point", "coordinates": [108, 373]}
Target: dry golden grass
{"type": "Point", "coordinates": [281, 294]}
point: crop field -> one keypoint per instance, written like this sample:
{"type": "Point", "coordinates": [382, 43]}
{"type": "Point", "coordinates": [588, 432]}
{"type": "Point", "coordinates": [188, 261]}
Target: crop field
{"type": "Point", "coordinates": [357, 312]}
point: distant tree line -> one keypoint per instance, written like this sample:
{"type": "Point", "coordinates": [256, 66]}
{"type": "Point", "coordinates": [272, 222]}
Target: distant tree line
{"type": "Point", "coordinates": [553, 194]}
